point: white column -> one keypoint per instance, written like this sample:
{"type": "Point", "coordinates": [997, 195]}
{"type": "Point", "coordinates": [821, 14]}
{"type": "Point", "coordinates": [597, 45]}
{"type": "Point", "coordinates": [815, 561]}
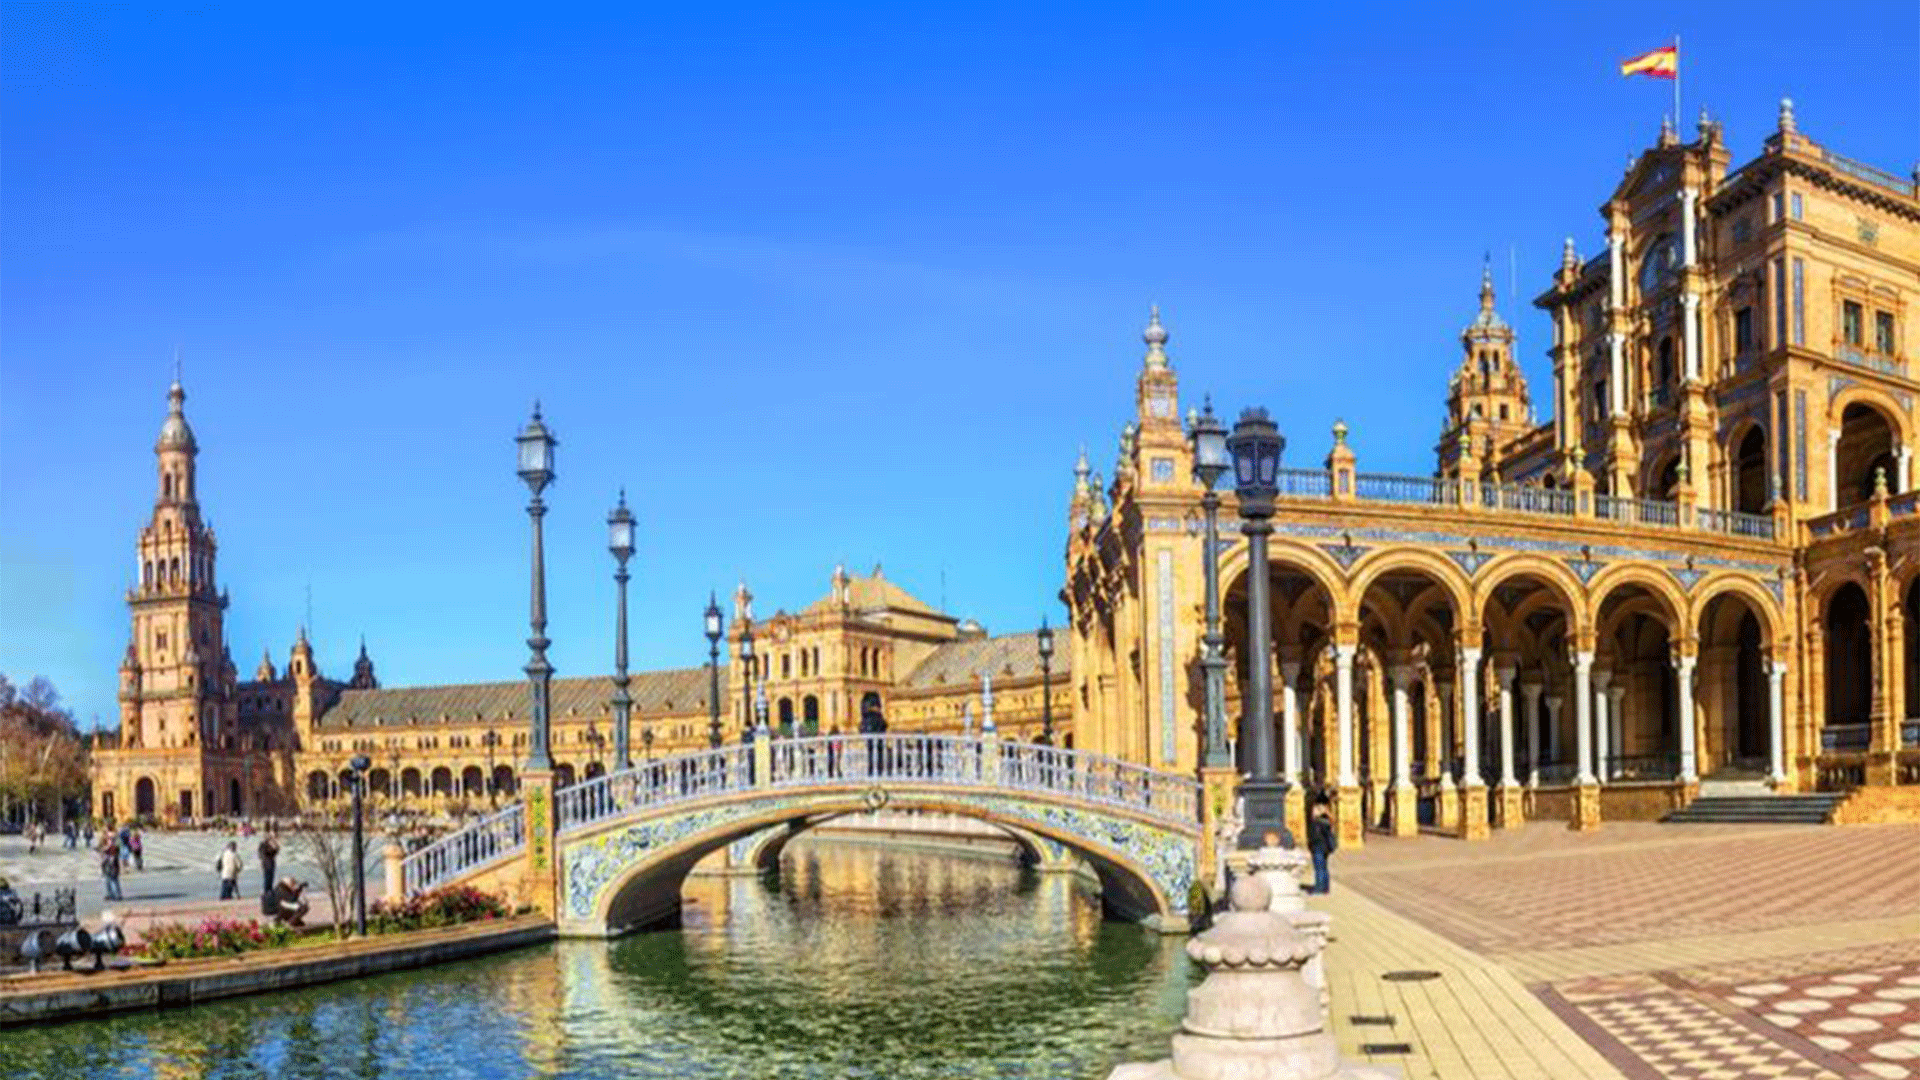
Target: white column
{"type": "Point", "coordinates": [1616, 720]}
{"type": "Point", "coordinates": [1470, 714]}
{"type": "Point", "coordinates": [1583, 713]}
{"type": "Point", "coordinates": [1445, 749]}
{"type": "Point", "coordinates": [1616, 269]}
{"type": "Point", "coordinates": [1402, 677]}
{"type": "Point", "coordinates": [1689, 769]}
{"type": "Point", "coordinates": [1343, 700]}
{"type": "Point", "coordinates": [1902, 470]}
{"type": "Point", "coordinates": [1508, 722]}
{"type": "Point", "coordinates": [1600, 728]}
{"type": "Point", "coordinates": [1776, 719]}
{"type": "Point", "coordinates": [1616, 374]}
{"type": "Point", "coordinates": [1289, 722]}
{"type": "Point", "coordinates": [1687, 198]}
{"type": "Point", "coordinates": [1690, 333]}
{"type": "Point", "coordinates": [1530, 729]}
{"type": "Point", "coordinates": [1833, 469]}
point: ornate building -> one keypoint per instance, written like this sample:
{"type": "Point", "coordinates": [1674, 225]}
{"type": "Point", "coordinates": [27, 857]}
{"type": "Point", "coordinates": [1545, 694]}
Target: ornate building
{"type": "Point", "coordinates": [1702, 571]}
{"type": "Point", "coordinates": [196, 741]}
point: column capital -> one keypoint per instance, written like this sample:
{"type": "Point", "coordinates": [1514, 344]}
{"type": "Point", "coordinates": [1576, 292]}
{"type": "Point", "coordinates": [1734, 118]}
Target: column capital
{"type": "Point", "coordinates": [1776, 669]}
{"type": "Point", "coordinates": [1583, 659]}
{"type": "Point", "coordinates": [1403, 676]}
{"type": "Point", "coordinates": [1601, 677]}
{"type": "Point", "coordinates": [1470, 653]}
{"type": "Point", "coordinates": [1685, 652]}
{"type": "Point", "coordinates": [1343, 652]}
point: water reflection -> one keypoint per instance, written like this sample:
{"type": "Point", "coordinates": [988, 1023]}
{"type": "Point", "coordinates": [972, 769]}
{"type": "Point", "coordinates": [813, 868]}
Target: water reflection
{"type": "Point", "coordinates": [859, 962]}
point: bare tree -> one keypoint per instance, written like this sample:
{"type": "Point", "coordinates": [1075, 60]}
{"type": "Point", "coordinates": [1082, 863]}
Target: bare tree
{"type": "Point", "coordinates": [325, 839]}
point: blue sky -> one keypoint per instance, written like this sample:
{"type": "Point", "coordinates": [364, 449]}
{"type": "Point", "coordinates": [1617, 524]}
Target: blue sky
{"type": "Point", "coordinates": [815, 283]}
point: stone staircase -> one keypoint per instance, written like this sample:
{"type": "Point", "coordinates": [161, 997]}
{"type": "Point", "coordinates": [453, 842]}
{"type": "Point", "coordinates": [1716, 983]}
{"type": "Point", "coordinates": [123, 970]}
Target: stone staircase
{"type": "Point", "coordinates": [1757, 810]}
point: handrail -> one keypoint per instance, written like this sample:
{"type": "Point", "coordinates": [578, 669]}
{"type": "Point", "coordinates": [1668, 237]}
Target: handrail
{"type": "Point", "coordinates": [1735, 523]}
{"type": "Point", "coordinates": [1304, 483]}
{"type": "Point", "coordinates": [463, 851]}
{"type": "Point", "coordinates": [1637, 511]}
{"type": "Point", "coordinates": [656, 783]}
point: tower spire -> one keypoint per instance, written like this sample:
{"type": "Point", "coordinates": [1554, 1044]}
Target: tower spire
{"type": "Point", "coordinates": [1155, 335]}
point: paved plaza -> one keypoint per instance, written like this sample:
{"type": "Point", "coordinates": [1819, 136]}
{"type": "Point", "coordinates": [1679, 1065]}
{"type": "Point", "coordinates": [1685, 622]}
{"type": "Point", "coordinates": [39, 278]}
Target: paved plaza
{"type": "Point", "coordinates": [1639, 952]}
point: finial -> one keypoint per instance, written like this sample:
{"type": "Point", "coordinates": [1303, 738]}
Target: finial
{"type": "Point", "coordinates": [1706, 123]}
{"type": "Point", "coordinates": [1786, 115]}
{"type": "Point", "coordinates": [1880, 482]}
{"type": "Point", "coordinates": [1569, 255]}
{"type": "Point", "coordinates": [1486, 281]}
{"type": "Point", "coordinates": [1339, 433]}
{"type": "Point", "coordinates": [1682, 473]}
{"type": "Point", "coordinates": [1080, 467]}
{"type": "Point", "coordinates": [1193, 418]}
{"type": "Point", "coordinates": [176, 363]}
{"type": "Point", "coordinates": [536, 408]}
{"type": "Point", "coordinates": [1668, 136]}
{"type": "Point", "coordinates": [1155, 335]}
{"type": "Point", "coordinates": [623, 496]}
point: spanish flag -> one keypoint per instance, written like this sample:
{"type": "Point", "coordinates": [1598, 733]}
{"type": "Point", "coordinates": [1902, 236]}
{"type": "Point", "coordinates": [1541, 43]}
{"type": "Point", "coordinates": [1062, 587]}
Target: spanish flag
{"type": "Point", "coordinates": [1661, 63]}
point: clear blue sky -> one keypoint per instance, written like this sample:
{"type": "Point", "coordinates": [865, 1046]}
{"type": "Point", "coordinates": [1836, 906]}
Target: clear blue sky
{"type": "Point", "coordinates": [815, 283]}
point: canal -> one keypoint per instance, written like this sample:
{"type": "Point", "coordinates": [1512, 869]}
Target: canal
{"type": "Point", "coordinates": [859, 961]}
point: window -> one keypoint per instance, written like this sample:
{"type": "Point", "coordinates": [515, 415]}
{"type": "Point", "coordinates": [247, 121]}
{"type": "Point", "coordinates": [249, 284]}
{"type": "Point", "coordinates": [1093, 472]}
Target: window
{"type": "Point", "coordinates": [1779, 205]}
{"type": "Point", "coordinates": [1799, 301]}
{"type": "Point", "coordinates": [1799, 208]}
{"type": "Point", "coordinates": [1503, 412]}
{"type": "Point", "coordinates": [1600, 400]}
{"type": "Point", "coordinates": [1851, 316]}
{"type": "Point", "coordinates": [1883, 332]}
{"type": "Point", "coordinates": [1743, 330]}
{"type": "Point", "coordinates": [1779, 302]}
{"type": "Point", "coordinates": [1742, 230]}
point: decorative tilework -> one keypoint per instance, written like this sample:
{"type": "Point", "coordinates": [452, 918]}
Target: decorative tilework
{"type": "Point", "coordinates": [1470, 561]}
{"type": "Point", "coordinates": [1584, 569]}
{"type": "Point", "coordinates": [1800, 444]}
{"type": "Point", "coordinates": [1687, 575]}
{"type": "Point", "coordinates": [1345, 554]}
{"type": "Point", "coordinates": [1516, 543]}
{"type": "Point", "coordinates": [1163, 588]}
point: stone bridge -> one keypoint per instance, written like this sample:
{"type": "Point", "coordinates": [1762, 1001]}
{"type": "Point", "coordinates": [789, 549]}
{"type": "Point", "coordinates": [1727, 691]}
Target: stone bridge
{"type": "Point", "coordinates": [610, 854]}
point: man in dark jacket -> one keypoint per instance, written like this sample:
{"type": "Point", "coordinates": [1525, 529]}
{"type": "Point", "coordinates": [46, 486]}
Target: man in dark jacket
{"type": "Point", "coordinates": [1322, 841]}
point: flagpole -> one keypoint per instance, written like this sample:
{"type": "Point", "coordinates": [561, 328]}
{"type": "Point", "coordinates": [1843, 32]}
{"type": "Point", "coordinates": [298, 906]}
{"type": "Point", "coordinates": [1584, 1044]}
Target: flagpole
{"type": "Point", "coordinates": [1676, 86]}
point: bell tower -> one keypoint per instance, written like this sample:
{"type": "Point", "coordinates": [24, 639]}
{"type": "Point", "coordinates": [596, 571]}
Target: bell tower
{"type": "Point", "coordinates": [1487, 402]}
{"type": "Point", "coordinates": [174, 685]}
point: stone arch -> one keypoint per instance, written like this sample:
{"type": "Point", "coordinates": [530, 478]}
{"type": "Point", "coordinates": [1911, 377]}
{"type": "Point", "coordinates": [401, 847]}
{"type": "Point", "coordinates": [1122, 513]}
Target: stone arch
{"type": "Point", "coordinates": [1659, 584]}
{"type": "Point", "coordinates": [1846, 624]}
{"type": "Point", "coordinates": [1732, 583]}
{"type": "Point", "coordinates": [472, 780]}
{"type": "Point", "coordinates": [503, 781]}
{"type": "Point", "coordinates": [144, 797]}
{"type": "Point", "coordinates": [318, 785]}
{"type": "Point", "coordinates": [410, 782]}
{"type": "Point", "coordinates": [765, 848]}
{"type": "Point", "coordinates": [440, 782]}
{"type": "Point", "coordinates": [1444, 571]}
{"type": "Point", "coordinates": [1554, 576]}
{"type": "Point", "coordinates": [1872, 430]}
{"type": "Point", "coordinates": [629, 875]}
{"type": "Point", "coordinates": [1735, 625]}
{"type": "Point", "coordinates": [1748, 487]}
{"type": "Point", "coordinates": [1317, 566]}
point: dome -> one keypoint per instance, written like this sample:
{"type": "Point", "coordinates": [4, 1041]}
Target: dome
{"type": "Point", "coordinates": [174, 432]}
{"type": "Point", "coordinates": [1155, 334]}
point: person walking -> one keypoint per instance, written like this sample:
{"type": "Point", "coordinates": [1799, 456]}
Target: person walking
{"type": "Point", "coordinates": [139, 856]}
{"type": "Point", "coordinates": [71, 833]}
{"type": "Point", "coordinates": [1322, 841]}
{"type": "Point", "coordinates": [87, 833]}
{"type": "Point", "coordinates": [269, 857]}
{"type": "Point", "coordinates": [110, 867]}
{"type": "Point", "coordinates": [228, 864]}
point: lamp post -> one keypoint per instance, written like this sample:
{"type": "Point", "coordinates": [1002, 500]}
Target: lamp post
{"type": "Point", "coordinates": [715, 628]}
{"type": "Point", "coordinates": [491, 740]}
{"type": "Point", "coordinates": [596, 740]}
{"type": "Point", "coordinates": [360, 763]}
{"type": "Point", "coordinates": [620, 542]}
{"type": "Point", "coordinates": [536, 468]}
{"type": "Point", "coordinates": [646, 740]}
{"type": "Point", "coordinates": [1046, 683]}
{"type": "Point", "coordinates": [1255, 446]}
{"type": "Point", "coordinates": [1210, 462]}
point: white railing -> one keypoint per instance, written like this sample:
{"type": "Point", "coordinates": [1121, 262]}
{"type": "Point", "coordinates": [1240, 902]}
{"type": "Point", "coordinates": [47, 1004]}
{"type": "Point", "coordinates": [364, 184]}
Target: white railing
{"type": "Point", "coordinates": [457, 854]}
{"type": "Point", "coordinates": [1304, 483]}
{"type": "Point", "coordinates": [651, 784]}
{"type": "Point", "coordinates": [1636, 511]}
{"type": "Point", "coordinates": [1387, 487]}
{"type": "Point", "coordinates": [1526, 499]}
{"type": "Point", "coordinates": [1735, 523]}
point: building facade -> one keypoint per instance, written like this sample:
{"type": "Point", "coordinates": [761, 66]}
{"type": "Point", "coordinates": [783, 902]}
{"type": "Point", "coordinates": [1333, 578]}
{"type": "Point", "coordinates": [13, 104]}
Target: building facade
{"type": "Point", "coordinates": [1703, 568]}
{"type": "Point", "coordinates": [197, 742]}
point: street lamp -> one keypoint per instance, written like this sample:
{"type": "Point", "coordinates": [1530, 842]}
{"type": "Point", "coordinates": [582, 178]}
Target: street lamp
{"type": "Point", "coordinates": [597, 741]}
{"type": "Point", "coordinates": [536, 468]}
{"type": "Point", "coordinates": [746, 684]}
{"type": "Point", "coordinates": [714, 630]}
{"type": "Point", "coordinates": [620, 542]}
{"type": "Point", "coordinates": [1210, 462]}
{"type": "Point", "coordinates": [360, 763]}
{"type": "Point", "coordinates": [490, 740]}
{"type": "Point", "coordinates": [1046, 683]}
{"type": "Point", "coordinates": [1255, 446]}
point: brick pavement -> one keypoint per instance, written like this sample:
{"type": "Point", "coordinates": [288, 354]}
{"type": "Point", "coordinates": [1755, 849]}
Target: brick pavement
{"type": "Point", "coordinates": [1700, 953]}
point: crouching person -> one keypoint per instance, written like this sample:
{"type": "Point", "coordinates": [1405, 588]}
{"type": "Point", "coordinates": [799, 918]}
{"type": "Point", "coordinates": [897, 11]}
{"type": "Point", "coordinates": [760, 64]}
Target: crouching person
{"type": "Point", "coordinates": [285, 904]}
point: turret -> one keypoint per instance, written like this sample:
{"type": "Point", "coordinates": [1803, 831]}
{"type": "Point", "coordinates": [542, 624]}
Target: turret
{"type": "Point", "coordinates": [1487, 400]}
{"type": "Point", "coordinates": [265, 672]}
{"type": "Point", "coordinates": [363, 670]}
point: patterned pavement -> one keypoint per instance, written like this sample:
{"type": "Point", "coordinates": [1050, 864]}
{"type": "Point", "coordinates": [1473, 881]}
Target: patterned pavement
{"type": "Point", "coordinates": [1701, 953]}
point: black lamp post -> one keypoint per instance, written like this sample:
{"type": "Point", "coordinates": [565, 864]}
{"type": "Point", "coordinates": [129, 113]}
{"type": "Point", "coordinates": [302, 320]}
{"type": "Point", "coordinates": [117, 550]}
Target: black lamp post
{"type": "Point", "coordinates": [360, 763]}
{"type": "Point", "coordinates": [491, 740]}
{"type": "Point", "coordinates": [536, 468]}
{"type": "Point", "coordinates": [715, 628]}
{"type": "Point", "coordinates": [1256, 446]}
{"type": "Point", "coordinates": [620, 542]}
{"type": "Point", "coordinates": [1046, 683]}
{"type": "Point", "coordinates": [746, 685]}
{"type": "Point", "coordinates": [1210, 462]}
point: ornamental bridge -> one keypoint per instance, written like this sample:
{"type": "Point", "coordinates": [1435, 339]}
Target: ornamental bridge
{"type": "Point", "coordinates": [610, 854]}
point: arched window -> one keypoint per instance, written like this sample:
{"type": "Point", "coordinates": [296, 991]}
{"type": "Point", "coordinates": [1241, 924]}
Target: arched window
{"type": "Point", "coordinates": [1865, 448]}
{"type": "Point", "coordinates": [146, 574]}
{"type": "Point", "coordinates": [166, 486]}
{"type": "Point", "coordinates": [1750, 472]}
{"type": "Point", "coordinates": [1849, 658]}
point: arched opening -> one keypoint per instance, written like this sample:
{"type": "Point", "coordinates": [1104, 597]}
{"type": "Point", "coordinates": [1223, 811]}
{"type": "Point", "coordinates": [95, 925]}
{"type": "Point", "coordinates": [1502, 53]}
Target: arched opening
{"type": "Point", "coordinates": [786, 716]}
{"type": "Point", "coordinates": [380, 782]}
{"type": "Point", "coordinates": [234, 805]}
{"type": "Point", "coordinates": [1407, 621]}
{"type": "Point", "coordinates": [1912, 636]}
{"type": "Point", "coordinates": [503, 781]}
{"type": "Point", "coordinates": [1865, 448]}
{"type": "Point", "coordinates": [873, 715]}
{"type": "Point", "coordinates": [563, 775]}
{"type": "Point", "coordinates": [1299, 612]}
{"type": "Point", "coordinates": [810, 715]}
{"type": "Point", "coordinates": [473, 781]}
{"type": "Point", "coordinates": [441, 780]}
{"type": "Point", "coordinates": [1663, 377]}
{"type": "Point", "coordinates": [1634, 672]}
{"type": "Point", "coordinates": [1667, 486]}
{"type": "Point", "coordinates": [1732, 688]}
{"type": "Point", "coordinates": [410, 782]}
{"type": "Point", "coordinates": [143, 797]}
{"type": "Point", "coordinates": [1750, 472]}
{"type": "Point", "coordinates": [1849, 669]}
{"type": "Point", "coordinates": [317, 786]}
{"type": "Point", "coordinates": [1529, 622]}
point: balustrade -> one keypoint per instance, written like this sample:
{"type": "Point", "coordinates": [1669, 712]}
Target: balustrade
{"type": "Point", "coordinates": [488, 840]}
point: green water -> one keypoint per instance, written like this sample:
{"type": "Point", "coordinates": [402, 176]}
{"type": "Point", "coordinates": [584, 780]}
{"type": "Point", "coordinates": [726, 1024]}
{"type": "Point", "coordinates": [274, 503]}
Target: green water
{"type": "Point", "coordinates": [860, 961]}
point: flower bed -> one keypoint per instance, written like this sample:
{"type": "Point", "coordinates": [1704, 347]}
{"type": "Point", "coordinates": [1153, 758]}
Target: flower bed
{"type": "Point", "coordinates": [449, 906]}
{"type": "Point", "coordinates": [213, 937]}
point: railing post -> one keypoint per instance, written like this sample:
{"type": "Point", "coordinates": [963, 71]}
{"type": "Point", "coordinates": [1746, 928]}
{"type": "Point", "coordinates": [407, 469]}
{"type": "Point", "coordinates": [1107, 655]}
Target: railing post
{"type": "Point", "coordinates": [540, 878]}
{"type": "Point", "coordinates": [395, 857]}
{"type": "Point", "coordinates": [763, 761]}
{"type": "Point", "coordinates": [1340, 465]}
{"type": "Point", "coordinates": [990, 758]}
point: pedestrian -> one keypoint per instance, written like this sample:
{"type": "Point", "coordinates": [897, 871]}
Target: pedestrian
{"type": "Point", "coordinates": [228, 864]}
{"type": "Point", "coordinates": [1322, 842]}
{"type": "Point", "coordinates": [71, 832]}
{"type": "Point", "coordinates": [269, 857]}
{"type": "Point", "coordinates": [110, 867]}
{"type": "Point", "coordinates": [125, 837]}
{"type": "Point", "coordinates": [139, 854]}
{"type": "Point", "coordinates": [33, 837]}
{"type": "Point", "coordinates": [88, 827]}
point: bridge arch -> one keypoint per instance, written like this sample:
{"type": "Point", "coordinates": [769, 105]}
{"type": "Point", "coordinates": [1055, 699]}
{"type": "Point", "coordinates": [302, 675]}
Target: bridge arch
{"type": "Point", "coordinates": [630, 874]}
{"type": "Point", "coordinates": [764, 849]}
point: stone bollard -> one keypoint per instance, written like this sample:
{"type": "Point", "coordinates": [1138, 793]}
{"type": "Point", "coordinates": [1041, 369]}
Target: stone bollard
{"type": "Point", "coordinates": [395, 856]}
{"type": "Point", "coordinates": [1254, 1017]}
{"type": "Point", "coordinates": [1282, 869]}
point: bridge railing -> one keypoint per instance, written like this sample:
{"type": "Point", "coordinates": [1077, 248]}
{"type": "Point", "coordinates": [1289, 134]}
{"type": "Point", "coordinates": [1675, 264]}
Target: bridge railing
{"type": "Point", "coordinates": [967, 761]}
{"type": "Point", "coordinates": [486, 841]}
{"type": "Point", "coordinates": [681, 778]}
